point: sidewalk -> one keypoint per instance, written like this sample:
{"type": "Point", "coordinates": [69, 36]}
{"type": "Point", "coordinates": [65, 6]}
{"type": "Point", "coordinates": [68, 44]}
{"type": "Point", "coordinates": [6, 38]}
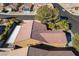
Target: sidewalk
{"type": "Point", "coordinates": [71, 8]}
{"type": "Point", "coordinates": [17, 13]}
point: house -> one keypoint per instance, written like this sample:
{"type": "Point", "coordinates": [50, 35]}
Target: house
{"type": "Point", "coordinates": [33, 31]}
{"type": "Point", "coordinates": [53, 38]}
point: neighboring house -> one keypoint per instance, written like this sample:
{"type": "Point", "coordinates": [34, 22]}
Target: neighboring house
{"type": "Point", "coordinates": [4, 21]}
{"type": "Point", "coordinates": [1, 7]}
{"type": "Point", "coordinates": [41, 50]}
{"type": "Point", "coordinates": [10, 7]}
{"type": "Point", "coordinates": [17, 7]}
{"type": "Point", "coordinates": [26, 7]}
{"type": "Point", "coordinates": [16, 52]}
{"type": "Point", "coordinates": [19, 52]}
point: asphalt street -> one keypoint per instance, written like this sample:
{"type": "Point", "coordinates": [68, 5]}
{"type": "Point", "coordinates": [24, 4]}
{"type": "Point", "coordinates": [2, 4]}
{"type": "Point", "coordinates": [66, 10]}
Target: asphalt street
{"type": "Point", "coordinates": [23, 17]}
{"type": "Point", "coordinates": [74, 20]}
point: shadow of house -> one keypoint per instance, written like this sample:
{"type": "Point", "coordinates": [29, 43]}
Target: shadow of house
{"type": "Point", "coordinates": [68, 35]}
{"type": "Point", "coordinates": [45, 50]}
{"type": "Point", "coordinates": [17, 47]}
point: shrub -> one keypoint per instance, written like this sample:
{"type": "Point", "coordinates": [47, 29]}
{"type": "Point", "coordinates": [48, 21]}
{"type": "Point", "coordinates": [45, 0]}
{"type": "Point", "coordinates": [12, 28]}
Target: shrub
{"type": "Point", "coordinates": [76, 41]}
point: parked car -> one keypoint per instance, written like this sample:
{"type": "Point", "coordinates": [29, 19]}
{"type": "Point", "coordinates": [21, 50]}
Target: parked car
{"type": "Point", "coordinates": [63, 10]}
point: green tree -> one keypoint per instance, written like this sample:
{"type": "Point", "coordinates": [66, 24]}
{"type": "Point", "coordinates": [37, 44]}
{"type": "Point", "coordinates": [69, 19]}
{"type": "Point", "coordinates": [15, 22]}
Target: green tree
{"type": "Point", "coordinates": [76, 41]}
{"type": "Point", "coordinates": [63, 24]}
{"type": "Point", "coordinates": [0, 21]}
{"type": "Point", "coordinates": [46, 14]}
{"type": "Point", "coordinates": [51, 17]}
{"type": "Point", "coordinates": [51, 25]}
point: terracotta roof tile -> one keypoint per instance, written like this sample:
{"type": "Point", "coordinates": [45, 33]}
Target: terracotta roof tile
{"type": "Point", "coordinates": [25, 31]}
{"type": "Point", "coordinates": [19, 52]}
{"type": "Point", "coordinates": [56, 38]}
{"type": "Point", "coordinates": [54, 52]}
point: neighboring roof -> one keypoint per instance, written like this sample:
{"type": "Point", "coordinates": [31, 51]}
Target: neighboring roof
{"type": "Point", "coordinates": [25, 5]}
{"type": "Point", "coordinates": [19, 52]}
{"type": "Point", "coordinates": [29, 5]}
{"type": "Point", "coordinates": [13, 6]}
{"type": "Point", "coordinates": [1, 7]}
{"type": "Point", "coordinates": [15, 52]}
{"type": "Point", "coordinates": [42, 52]}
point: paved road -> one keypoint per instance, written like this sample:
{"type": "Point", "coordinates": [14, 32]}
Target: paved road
{"type": "Point", "coordinates": [28, 17]}
{"type": "Point", "coordinates": [73, 19]}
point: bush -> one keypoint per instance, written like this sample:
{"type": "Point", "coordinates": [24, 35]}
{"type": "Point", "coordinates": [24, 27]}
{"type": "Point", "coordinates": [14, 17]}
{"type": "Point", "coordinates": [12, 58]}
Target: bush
{"type": "Point", "coordinates": [44, 14]}
{"type": "Point", "coordinates": [63, 24]}
{"type": "Point", "coordinates": [8, 26]}
{"type": "Point", "coordinates": [76, 41]}
{"type": "Point", "coordinates": [51, 25]}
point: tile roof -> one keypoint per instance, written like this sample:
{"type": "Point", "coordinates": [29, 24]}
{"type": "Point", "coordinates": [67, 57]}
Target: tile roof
{"type": "Point", "coordinates": [25, 5]}
{"type": "Point", "coordinates": [56, 38]}
{"type": "Point", "coordinates": [35, 51]}
{"type": "Point", "coordinates": [19, 52]}
{"type": "Point", "coordinates": [39, 34]}
{"type": "Point", "coordinates": [25, 31]}
{"type": "Point", "coordinates": [28, 5]}
{"type": "Point", "coordinates": [15, 52]}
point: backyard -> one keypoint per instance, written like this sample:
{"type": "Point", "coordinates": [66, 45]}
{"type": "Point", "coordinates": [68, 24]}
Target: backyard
{"type": "Point", "coordinates": [6, 28]}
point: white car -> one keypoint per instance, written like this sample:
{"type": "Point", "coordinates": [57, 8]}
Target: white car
{"type": "Point", "coordinates": [63, 10]}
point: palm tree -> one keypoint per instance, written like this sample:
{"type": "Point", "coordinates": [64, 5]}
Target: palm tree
{"type": "Point", "coordinates": [63, 24]}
